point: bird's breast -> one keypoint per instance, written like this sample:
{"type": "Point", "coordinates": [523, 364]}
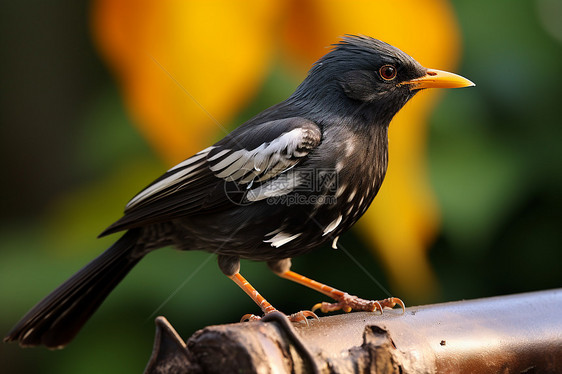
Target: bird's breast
{"type": "Point", "coordinates": [359, 164]}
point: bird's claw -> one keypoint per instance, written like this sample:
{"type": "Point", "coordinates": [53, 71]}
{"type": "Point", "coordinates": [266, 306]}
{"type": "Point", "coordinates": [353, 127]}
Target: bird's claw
{"type": "Point", "coordinates": [249, 318]}
{"type": "Point", "coordinates": [347, 303]}
{"type": "Point", "coordinates": [301, 316]}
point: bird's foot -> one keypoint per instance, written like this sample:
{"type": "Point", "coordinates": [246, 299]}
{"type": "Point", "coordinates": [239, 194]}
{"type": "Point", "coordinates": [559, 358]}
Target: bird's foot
{"type": "Point", "coordinates": [348, 302]}
{"type": "Point", "coordinates": [295, 317]}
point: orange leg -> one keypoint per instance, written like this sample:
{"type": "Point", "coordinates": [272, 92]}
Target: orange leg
{"type": "Point", "coordinates": [264, 305]}
{"type": "Point", "coordinates": [345, 302]}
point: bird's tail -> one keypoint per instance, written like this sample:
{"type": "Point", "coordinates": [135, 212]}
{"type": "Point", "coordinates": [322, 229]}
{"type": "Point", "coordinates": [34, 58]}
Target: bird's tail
{"type": "Point", "coordinates": [56, 319]}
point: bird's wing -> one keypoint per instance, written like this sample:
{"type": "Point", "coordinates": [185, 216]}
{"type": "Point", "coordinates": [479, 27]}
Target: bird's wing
{"type": "Point", "coordinates": [234, 169]}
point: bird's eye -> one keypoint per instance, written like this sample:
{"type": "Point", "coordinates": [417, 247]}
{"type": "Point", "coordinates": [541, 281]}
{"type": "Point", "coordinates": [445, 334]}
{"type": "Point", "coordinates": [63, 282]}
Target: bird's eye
{"type": "Point", "coordinates": [387, 72]}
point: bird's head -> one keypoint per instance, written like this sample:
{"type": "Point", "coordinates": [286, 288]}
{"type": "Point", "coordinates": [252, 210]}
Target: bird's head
{"type": "Point", "coordinates": [370, 77]}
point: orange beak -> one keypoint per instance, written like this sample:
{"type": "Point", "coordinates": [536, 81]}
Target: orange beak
{"type": "Point", "coordinates": [438, 79]}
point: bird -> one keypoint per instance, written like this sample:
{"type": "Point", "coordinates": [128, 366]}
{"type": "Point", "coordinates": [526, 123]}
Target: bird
{"type": "Point", "coordinates": [294, 177]}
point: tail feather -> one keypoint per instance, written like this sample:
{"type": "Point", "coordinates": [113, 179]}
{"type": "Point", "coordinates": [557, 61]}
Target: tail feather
{"type": "Point", "coordinates": [56, 319]}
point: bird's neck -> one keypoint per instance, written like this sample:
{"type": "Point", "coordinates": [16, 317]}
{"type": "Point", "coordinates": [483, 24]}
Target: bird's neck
{"type": "Point", "coordinates": [364, 150]}
{"type": "Point", "coordinates": [334, 106]}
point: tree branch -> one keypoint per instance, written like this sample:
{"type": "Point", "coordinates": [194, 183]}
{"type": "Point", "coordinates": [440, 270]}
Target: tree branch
{"type": "Point", "coordinates": [518, 333]}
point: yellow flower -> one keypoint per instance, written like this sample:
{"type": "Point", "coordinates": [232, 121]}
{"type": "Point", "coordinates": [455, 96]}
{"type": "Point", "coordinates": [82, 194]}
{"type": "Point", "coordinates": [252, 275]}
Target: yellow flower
{"type": "Point", "coordinates": [186, 67]}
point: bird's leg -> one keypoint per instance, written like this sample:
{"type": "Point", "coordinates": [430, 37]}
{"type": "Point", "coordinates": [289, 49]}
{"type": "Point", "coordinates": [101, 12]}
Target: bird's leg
{"type": "Point", "coordinates": [345, 301]}
{"type": "Point", "coordinates": [264, 305]}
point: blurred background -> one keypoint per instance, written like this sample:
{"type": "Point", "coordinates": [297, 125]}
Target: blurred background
{"type": "Point", "coordinates": [98, 98]}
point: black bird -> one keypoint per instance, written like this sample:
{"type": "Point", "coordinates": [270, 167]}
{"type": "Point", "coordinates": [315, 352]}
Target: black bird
{"type": "Point", "coordinates": [294, 177]}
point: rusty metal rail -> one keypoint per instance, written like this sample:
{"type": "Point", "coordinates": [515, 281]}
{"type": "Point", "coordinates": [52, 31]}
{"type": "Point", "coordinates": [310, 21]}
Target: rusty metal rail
{"type": "Point", "coordinates": [508, 334]}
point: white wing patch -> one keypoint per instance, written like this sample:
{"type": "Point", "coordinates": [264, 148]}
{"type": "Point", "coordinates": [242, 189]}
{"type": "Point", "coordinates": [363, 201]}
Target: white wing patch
{"type": "Point", "coordinates": [282, 185]}
{"type": "Point", "coordinates": [219, 154]}
{"type": "Point", "coordinates": [332, 226]}
{"type": "Point", "coordinates": [282, 238]}
{"type": "Point", "coordinates": [351, 196]}
{"type": "Point", "coordinates": [176, 178]}
{"type": "Point", "coordinates": [234, 161]}
{"type": "Point", "coordinates": [196, 157]}
{"type": "Point", "coordinates": [335, 242]}
{"type": "Point", "coordinates": [263, 162]}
